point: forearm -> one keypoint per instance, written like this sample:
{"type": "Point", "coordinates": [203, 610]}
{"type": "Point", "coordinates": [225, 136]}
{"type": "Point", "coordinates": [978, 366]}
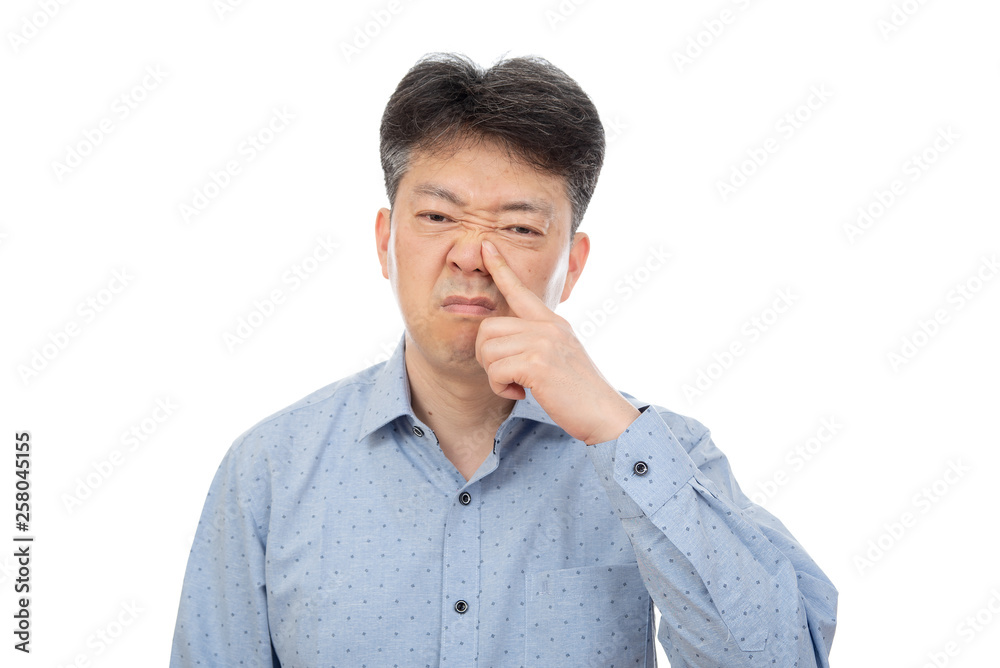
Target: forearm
{"type": "Point", "coordinates": [726, 576]}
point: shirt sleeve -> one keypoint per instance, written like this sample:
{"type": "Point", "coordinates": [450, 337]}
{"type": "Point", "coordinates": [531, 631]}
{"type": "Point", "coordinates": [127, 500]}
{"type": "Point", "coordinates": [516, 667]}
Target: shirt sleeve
{"type": "Point", "coordinates": [222, 619]}
{"type": "Point", "coordinates": [728, 578]}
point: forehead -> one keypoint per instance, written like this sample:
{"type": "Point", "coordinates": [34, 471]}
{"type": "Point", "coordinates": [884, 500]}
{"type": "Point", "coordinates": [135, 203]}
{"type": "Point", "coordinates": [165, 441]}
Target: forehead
{"type": "Point", "coordinates": [483, 175]}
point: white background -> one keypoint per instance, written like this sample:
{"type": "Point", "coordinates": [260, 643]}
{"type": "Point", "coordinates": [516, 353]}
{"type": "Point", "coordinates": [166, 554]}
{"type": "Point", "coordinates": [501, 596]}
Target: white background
{"type": "Point", "coordinates": [677, 130]}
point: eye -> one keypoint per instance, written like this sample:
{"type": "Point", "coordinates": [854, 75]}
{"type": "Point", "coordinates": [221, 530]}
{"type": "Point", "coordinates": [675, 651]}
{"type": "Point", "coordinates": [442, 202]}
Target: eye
{"type": "Point", "coordinates": [435, 217]}
{"type": "Point", "coordinates": [523, 231]}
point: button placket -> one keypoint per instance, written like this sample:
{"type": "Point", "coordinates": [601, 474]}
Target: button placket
{"type": "Point", "coordinates": [462, 572]}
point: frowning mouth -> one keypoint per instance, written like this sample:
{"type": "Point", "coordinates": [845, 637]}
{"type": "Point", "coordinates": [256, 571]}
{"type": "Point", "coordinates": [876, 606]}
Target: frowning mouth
{"type": "Point", "coordinates": [468, 305]}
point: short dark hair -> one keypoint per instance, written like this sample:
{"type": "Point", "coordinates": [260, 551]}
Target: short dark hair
{"type": "Point", "coordinates": [526, 105]}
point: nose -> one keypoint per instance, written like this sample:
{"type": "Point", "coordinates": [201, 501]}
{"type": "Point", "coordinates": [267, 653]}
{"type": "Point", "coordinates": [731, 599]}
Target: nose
{"type": "Point", "coordinates": [466, 252]}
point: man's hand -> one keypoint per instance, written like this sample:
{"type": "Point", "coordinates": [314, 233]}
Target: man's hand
{"type": "Point", "coordinates": [538, 350]}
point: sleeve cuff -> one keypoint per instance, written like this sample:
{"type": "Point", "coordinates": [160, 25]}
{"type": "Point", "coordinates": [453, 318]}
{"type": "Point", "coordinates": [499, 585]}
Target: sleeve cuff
{"type": "Point", "coordinates": [644, 467]}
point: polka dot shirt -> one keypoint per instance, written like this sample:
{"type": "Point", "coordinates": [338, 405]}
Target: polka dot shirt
{"type": "Point", "coordinates": [337, 533]}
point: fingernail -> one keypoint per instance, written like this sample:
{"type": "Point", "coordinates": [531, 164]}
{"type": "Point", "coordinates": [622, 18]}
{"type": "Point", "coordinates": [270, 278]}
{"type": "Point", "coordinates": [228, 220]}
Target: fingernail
{"type": "Point", "coordinates": [490, 248]}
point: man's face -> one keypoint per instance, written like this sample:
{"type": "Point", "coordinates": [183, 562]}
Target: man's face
{"type": "Point", "coordinates": [447, 203]}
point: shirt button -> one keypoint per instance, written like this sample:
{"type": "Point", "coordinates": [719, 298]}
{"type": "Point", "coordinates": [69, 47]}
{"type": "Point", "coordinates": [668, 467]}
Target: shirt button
{"type": "Point", "coordinates": [640, 468]}
{"type": "Point", "coordinates": [465, 498]}
{"type": "Point", "coordinates": [461, 607]}
{"type": "Point", "coordinates": [417, 431]}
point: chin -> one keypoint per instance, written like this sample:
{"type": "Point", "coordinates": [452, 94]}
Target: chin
{"type": "Point", "coordinates": [451, 344]}
{"type": "Point", "coordinates": [461, 345]}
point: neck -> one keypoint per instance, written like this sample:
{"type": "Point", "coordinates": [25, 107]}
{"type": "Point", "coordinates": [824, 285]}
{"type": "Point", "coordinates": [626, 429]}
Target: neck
{"type": "Point", "coordinates": [455, 403]}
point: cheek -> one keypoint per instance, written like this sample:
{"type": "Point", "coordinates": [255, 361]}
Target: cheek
{"type": "Point", "coordinates": [414, 266]}
{"type": "Point", "coordinates": [552, 291]}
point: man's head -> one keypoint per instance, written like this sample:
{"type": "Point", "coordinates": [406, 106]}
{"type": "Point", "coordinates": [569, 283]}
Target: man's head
{"type": "Point", "coordinates": [472, 156]}
{"type": "Point", "coordinates": [526, 106]}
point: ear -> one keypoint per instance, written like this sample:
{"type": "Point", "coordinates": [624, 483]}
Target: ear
{"type": "Point", "coordinates": [578, 252]}
{"type": "Point", "coordinates": [382, 231]}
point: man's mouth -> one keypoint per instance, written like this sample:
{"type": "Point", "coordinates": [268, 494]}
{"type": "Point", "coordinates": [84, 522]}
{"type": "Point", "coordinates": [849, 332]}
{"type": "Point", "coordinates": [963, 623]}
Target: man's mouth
{"type": "Point", "coordinates": [468, 305]}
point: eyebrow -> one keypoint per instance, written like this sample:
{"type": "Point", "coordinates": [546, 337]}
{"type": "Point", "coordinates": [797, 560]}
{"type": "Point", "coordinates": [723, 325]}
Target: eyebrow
{"type": "Point", "coordinates": [540, 207]}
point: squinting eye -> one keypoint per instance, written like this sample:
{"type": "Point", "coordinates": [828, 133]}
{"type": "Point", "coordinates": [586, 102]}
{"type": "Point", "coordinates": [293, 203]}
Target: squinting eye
{"type": "Point", "coordinates": [524, 231]}
{"type": "Point", "coordinates": [436, 217]}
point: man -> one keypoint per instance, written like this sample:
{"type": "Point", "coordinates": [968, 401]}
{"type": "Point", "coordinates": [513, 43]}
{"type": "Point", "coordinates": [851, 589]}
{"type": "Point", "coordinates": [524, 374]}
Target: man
{"type": "Point", "coordinates": [485, 497]}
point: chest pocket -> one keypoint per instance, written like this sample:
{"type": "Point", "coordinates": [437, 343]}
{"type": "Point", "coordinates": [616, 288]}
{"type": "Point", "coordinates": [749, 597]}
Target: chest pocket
{"type": "Point", "coordinates": [590, 616]}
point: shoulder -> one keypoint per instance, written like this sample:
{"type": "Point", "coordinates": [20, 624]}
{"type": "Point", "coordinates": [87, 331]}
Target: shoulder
{"type": "Point", "coordinates": [308, 419]}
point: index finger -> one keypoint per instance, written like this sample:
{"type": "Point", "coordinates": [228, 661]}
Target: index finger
{"type": "Point", "coordinates": [524, 302]}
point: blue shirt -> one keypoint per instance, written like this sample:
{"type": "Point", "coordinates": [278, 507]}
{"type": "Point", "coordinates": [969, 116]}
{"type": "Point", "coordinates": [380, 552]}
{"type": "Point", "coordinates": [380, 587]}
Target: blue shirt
{"type": "Point", "coordinates": [337, 533]}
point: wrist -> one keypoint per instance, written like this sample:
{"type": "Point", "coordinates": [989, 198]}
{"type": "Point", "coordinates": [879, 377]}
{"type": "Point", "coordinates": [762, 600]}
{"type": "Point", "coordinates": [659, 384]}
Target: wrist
{"type": "Point", "coordinates": [617, 419]}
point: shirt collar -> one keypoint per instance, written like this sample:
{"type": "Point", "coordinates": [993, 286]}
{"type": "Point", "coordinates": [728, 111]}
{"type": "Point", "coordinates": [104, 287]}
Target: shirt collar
{"type": "Point", "coordinates": [390, 397]}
